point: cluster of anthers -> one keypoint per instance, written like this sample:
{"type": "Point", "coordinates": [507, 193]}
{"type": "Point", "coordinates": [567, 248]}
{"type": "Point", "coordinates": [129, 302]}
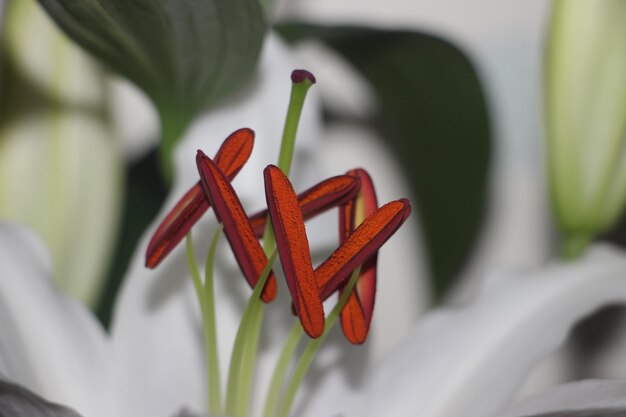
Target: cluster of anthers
{"type": "Point", "coordinates": [349, 271]}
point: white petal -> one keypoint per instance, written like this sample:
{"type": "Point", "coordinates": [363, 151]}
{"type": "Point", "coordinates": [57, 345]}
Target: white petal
{"type": "Point", "coordinates": [468, 361]}
{"type": "Point", "coordinates": [134, 117]}
{"type": "Point", "coordinates": [577, 396]}
{"type": "Point", "coordinates": [48, 343]}
{"type": "Point", "coordinates": [156, 329]}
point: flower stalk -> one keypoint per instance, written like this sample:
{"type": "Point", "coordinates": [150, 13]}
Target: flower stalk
{"type": "Point", "coordinates": [280, 371]}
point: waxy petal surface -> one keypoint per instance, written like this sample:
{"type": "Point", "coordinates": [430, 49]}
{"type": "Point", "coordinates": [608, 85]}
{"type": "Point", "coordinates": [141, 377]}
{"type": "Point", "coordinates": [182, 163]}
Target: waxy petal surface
{"type": "Point", "coordinates": [367, 238]}
{"type": "Point", "coordinates": [293, 248]}
{"type": "Point", "coordinates": [325, 195]}
{"type": "Point", "coordinates": [230, 158]}
{"type": "Point", "coordinates": [356, 315]}
{"type": "Point", "coordinates": [237, 228]}
{"type": "Point", "coordinates": [49, 342]}
{"type": "Point", "coordinates": [470, 360]}
{"type": "Point", "coordinates": [590, 398]}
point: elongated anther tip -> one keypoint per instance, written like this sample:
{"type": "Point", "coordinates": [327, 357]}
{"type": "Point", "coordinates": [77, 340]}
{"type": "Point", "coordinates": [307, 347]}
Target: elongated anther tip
{"type": "Point", "coordinates": [407, 208]}
{"type": "Point", "coordinates": [230, 158]}
{"type": "Point", "coordinates": [293, 249]}
{"type": "Point", "coordinates": [299, 75]}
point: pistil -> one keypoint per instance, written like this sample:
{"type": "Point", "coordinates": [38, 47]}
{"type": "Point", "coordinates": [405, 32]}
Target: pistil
{"type": "Point", "coordinates": [244, 357]}
{"type": "Point", "coordinates": [301, 81]}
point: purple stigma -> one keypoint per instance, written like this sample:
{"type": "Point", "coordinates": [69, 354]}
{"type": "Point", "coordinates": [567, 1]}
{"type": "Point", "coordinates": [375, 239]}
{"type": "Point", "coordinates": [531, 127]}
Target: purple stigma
{"type": "Point", "coordinates": [299, 75]}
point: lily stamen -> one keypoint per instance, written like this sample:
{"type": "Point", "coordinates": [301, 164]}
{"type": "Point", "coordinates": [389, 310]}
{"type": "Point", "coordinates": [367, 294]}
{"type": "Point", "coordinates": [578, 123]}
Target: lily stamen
{"type": "Point", "coordinates": [293, 248]}
{"type": "Point", "coordinates": [356, 315]}
{"type": "Point", "coordinates": [237, 228]}
{"type": "Point", "coordinates": [350, 270]}
{"type": "Point", "coordinates": [323, 196]}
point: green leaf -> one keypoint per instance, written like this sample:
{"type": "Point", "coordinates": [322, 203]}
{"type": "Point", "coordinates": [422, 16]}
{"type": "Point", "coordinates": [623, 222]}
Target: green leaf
{"type": "Point", "coordinates": [144, 195]}
{"type": "Point", "coordinates": [184, 54]}
{"type": "Point", "coordinates": [434, 118]}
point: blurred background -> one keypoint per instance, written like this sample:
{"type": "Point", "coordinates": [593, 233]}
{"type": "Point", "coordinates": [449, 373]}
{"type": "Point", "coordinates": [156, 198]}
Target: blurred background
{"type": "Point", "coordinates": [451, 90]}
{"type": "Point", "coordinates": [443, 98]}
{"type": "Point", "coordinates": [502, 46]}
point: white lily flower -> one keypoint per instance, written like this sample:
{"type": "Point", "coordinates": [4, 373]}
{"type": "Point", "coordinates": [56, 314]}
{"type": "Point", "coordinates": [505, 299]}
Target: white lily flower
{"type": "Point", "coordinates": [154, 302]}
{"type": "Point", "coordinates": [134, 315]}
{"type": "Point", "coordinates": [457, 362]}
{"type": "Point", "coordinates": [464, 361]}
{"type": "Point", "coordinates": [592, 398]}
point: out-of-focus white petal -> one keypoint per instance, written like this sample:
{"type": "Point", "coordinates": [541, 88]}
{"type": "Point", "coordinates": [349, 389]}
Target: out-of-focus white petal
{"type": "Point", "coordinates": [342, 88]}
{"type": "Point", "coordinates": [598, 397]}
{"type": "Point", "coordinates": [134, 117]}
{"type": "Point", "coordinates": [156, 328]}
{"type": "Point", "coordinates": [48, 342]}
{"type": "Point", "coordinates": [468, 361]}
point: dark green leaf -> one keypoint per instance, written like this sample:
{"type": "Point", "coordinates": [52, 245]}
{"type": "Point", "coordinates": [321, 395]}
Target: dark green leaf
{"type": "Point", "coordinates": [143, 197]}
{"type": "Point", "coordinates": [433, 116]}
{"type": "Point", "coordinates": [183, 53]}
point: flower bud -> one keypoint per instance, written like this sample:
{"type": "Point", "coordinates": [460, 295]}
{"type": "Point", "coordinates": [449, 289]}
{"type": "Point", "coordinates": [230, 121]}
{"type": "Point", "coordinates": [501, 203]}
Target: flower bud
{"type": "Point", "coordinates": [59, 165]}
{"type": "Point", "coordinates": [585, 108]}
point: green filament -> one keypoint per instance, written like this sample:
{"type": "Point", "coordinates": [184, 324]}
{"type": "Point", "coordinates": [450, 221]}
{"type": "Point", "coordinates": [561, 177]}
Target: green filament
{"type": "Point", "coordinates": [249, 360]}
{"type": "Point", "coordinates": [244, 339]}
{"type": "Point", "coordinates": [305, 361]}
{"type": "Point", "coordinates": [206, 298]}
{"type": "Point", "coordinates": [282, 366]}
{"type": "Point", "coordinates": [215, 396]}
